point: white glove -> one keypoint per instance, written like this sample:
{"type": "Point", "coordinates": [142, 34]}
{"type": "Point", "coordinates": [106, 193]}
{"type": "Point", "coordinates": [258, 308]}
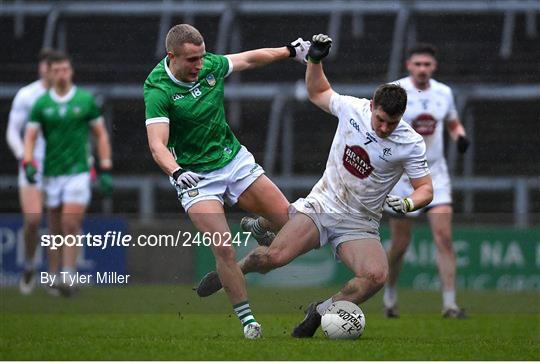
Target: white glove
{"type": "Point", "coordinates": [399, 205]}
{"type": "Point", "coordinates": [186, 179]}
{"type": "Point", "coordinates": [298, 50]}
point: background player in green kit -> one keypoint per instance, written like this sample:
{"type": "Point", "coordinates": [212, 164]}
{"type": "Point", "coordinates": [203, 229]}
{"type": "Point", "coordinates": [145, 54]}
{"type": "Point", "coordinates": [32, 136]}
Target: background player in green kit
{"type": "Point", "coordinates": [65, 114]}
{"type": "Point", "coordinates": [191, 141]}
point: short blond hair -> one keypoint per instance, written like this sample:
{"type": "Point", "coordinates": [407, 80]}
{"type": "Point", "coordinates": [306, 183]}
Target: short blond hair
{"type": "Point", "coordinates": [180, 34]}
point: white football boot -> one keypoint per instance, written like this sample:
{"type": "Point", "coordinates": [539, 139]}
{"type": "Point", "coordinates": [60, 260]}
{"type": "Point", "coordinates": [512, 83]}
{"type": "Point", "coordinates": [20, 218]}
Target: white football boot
{"type": "Point", "coordinates": [253, 331]}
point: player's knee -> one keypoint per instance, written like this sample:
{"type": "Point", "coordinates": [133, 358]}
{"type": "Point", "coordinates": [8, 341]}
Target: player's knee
{"type": "Point", "coordinates": [32, 220]}
{"type": "Point", "coordinates": [377, 275]}
{"type": "Point", "coordinates": [443, 239]}
{"type": "Point", "coordinates": [69, 226]}
{"type": "Point", "coordinates": [225, 254]}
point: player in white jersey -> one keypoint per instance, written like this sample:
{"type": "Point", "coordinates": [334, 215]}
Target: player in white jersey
{"type": "Point", "coordinates": [30, 195]}
{"type": "Point", "coordinates": [370, 151]}
{"type": "Point", "coordinates": [430, 109]}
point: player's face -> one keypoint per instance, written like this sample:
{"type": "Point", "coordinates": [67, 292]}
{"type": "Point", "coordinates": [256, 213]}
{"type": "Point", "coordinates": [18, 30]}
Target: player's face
{"type": "Point", "coordinates": [61, 73]}
{"type": "Point", "coordinates": [421, 67]}
{"type": "Point", "coordinates": [187, 61]}
{"type": "Point", "coordinates": [381, 122]}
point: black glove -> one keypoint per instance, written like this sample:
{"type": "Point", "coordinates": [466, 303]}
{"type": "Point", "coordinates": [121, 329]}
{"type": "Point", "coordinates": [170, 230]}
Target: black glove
{"type": "Point", "coordinates": [462, 144]}
{"type": "Point", "coordinates": [320, 47]}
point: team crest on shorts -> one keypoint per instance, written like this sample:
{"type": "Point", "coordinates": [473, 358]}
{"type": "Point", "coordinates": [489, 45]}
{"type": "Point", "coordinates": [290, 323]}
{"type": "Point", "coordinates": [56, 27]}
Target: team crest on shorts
{"type": "Point", "coordinates": [211, 80]}
{"type": "Point", "coordinates": [193, 193]}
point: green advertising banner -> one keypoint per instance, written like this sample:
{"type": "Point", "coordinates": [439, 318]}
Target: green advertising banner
{"type": "Point", "coordinates": [487, 258]}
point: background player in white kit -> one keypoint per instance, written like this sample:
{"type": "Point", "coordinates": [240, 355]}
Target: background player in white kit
{"type": "Point", "coordinates": [430, 108]}
{"type": "Point", "coordinates": [30, 195]}
{"type": "Point", "coordinates": [369, 153]}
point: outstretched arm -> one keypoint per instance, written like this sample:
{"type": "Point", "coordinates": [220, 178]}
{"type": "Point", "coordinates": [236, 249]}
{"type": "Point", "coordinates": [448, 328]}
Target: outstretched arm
{"type": "Point", "coordinates": [318, 87]}
{"type": "Point", "coordinates": [257, 58]}
{"type": "Point", "coordinates": [260, 57]}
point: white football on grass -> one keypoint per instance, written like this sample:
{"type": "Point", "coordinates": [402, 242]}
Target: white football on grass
{"type": "Point", "coordinates": [343, 320]}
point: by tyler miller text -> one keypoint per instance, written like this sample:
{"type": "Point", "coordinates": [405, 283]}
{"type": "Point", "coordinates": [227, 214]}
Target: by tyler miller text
{"type": "Point", "coordinates": [77, 278]}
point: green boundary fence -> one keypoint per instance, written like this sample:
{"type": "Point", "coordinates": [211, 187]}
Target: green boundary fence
{"type": "Point", "coordinates": [487, 258]}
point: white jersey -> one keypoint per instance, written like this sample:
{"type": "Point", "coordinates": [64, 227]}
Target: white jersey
{"type": "Point", "coordinates": [427, 110]}
{"type": "Point", "coordinates": [18, 117]}
{"type": "Point", "coordinates": [362, 168]}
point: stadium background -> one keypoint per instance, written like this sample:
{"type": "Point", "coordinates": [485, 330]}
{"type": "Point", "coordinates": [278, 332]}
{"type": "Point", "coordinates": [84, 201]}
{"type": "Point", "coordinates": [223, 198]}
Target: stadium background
{"type": "Point", "coordinates": [488, 54]}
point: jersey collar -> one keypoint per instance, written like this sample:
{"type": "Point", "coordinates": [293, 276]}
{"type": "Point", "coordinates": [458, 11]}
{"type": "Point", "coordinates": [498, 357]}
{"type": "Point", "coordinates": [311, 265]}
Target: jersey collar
{"type": "Point", "coordinates": [65, 98]}
{"type": "Point", "coordinates": [173, 78]}
{"type": "Point", "coordinates": [417, 89]}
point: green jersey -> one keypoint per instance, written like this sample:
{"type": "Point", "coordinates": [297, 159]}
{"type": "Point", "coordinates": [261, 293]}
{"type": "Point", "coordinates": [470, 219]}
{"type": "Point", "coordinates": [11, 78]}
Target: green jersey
{"type": "Point", "coordinates": [199, 137]}
{"type": "Point", "coordinates": [64, 122]}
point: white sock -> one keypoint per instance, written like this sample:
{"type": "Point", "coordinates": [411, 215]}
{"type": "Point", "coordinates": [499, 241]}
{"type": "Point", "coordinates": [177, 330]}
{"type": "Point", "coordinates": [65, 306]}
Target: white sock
{"type": "Point", "coordinates": [449, 299]}
{"type": "Point", "coordinates": [390, 296]}
{"type": "Point", "coordinates": [321, 308]}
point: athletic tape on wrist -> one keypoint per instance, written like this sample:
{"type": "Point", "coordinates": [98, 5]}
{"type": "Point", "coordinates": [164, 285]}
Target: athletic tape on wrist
{"type": "Point", "coordinates": [409, 205]}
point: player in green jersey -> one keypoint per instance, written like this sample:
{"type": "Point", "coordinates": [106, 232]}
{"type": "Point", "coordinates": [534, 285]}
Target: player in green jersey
{"type": "Point", "coordinates": [65, 115]}
{"type": "Point", "coordinates": [191, 141]}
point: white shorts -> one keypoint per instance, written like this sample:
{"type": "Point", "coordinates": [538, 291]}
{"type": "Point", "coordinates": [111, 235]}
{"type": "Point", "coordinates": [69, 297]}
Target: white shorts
{"type": "Point", "coordinates": [442, 189]}
{"type": "Point", "coordinates": [225, 184]}
{"type": "Point", "coordinates": [22, 182]}
{"type": "Point", "coordinates": [335, 228]}
{"type": "Point", "coordinates": [67, 189]}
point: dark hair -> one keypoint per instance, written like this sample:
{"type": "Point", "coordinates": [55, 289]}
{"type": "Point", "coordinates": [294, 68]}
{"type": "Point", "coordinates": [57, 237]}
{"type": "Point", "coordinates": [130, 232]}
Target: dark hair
{"type": "Point", "coordinates": [392, 99]}
{"type": "Point", "coordinates": [422, 48]}
{"type": "Point", "coordinates": [45, 53]}
{"type": "Point", "coordinates": [58, 57]}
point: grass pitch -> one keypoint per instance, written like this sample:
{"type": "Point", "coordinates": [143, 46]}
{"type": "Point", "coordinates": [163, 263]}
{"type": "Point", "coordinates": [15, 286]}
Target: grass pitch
{"type": "Point", "coordinates": [171, 323]}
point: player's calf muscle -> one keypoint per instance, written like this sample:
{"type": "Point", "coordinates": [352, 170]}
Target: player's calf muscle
{"type": "Point", "coordinates": [256, 261]}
